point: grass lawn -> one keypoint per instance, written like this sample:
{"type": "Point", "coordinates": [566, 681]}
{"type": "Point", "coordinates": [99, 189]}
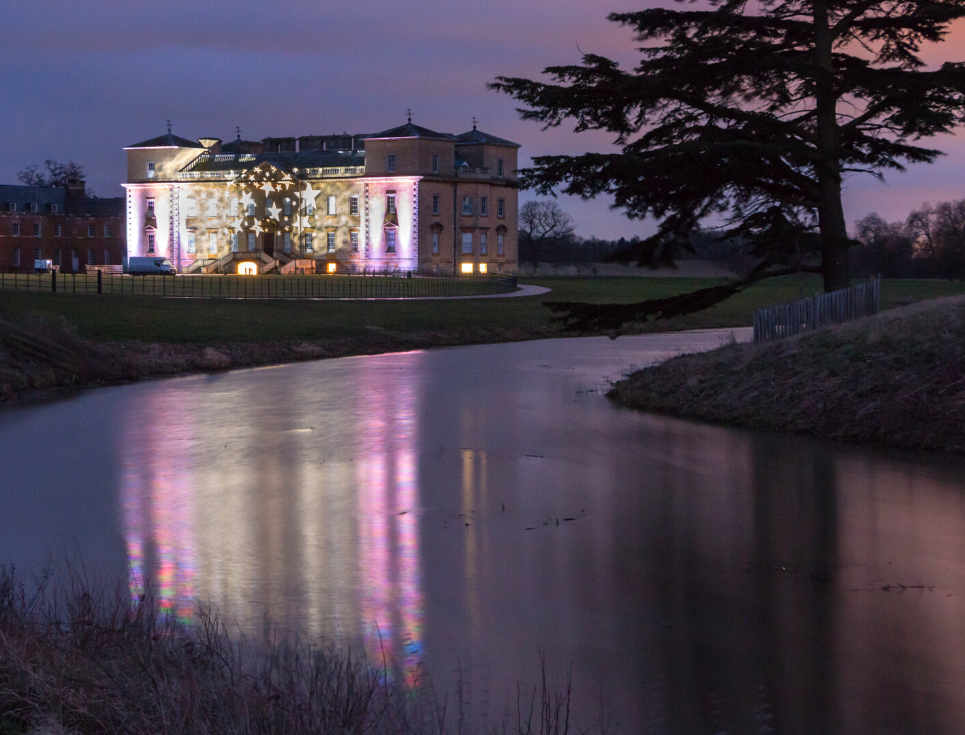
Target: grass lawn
{"type": "Point", "coordinates": [110, 318]}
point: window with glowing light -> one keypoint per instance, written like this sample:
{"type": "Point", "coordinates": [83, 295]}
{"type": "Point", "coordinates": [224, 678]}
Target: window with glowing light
{"type": "Point", "coordinates": [247, 269]}
{"type": "Point", "coordinates": [332, 267]}
{"type": "Point", "coordinates": [483, 267]}
{"type": "Point", "coordinates": [467, 243]}
{"type": "Point", "coordinates": [466, 268]}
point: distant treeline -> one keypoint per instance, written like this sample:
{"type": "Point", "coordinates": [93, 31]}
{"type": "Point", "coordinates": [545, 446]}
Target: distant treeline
{"type": "Point", "coordinates": [575, 250]}
{"type": "Point", "coordinates": [930, 243]}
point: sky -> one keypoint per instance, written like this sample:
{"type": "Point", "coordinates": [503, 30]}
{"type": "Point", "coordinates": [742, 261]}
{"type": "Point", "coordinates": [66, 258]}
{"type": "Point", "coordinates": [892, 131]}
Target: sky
{"type": "Point", "coordinates": [81, 80]}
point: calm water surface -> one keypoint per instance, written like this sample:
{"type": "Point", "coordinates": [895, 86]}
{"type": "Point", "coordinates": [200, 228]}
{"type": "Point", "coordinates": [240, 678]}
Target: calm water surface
{"type": "Point", "coordinates": [475, 506]}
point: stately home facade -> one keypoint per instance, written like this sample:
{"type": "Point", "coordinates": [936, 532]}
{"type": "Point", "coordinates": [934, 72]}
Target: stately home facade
{"type": "Point", "coordinates": [63, 225]}
{"type": "Point", "coordinates": [406, 199]}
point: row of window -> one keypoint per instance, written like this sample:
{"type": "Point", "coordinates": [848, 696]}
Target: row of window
{"type": "Point", "coordinates": [467, 206]}
{"type": "Point", "coordinates": [286, 208]}
{"type": "Point", "coordinates": [32, 207]}
{"type": "Point", "coordinates": [58, 230]}
{"type": "Point", "coordinates": [467, 243]}
{"type": "Point", "coordinates": [308, 242]}
{"type": "Point", "coordinates": [391, 161]}
{"type": "Point", "coordinates": [39, 255]}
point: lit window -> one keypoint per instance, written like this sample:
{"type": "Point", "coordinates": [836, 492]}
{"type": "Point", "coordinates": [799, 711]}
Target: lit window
{"type": "Point", "coordinates": [466, 267]}
{"type": "Point", "coordinates": [500, 207]}
{"type": "Point", "coordinates": [288, 206]}
{"type": "Point", "coordinates": [483, 268]}
{"type": "Point", "coordinates": [107, 257]}
{"type": "Point", "coordinates": [58, 230]}
{"type": "Point", "coordinates": [107, 230]}
{"type": "Point", "coordinates": [435, 243]}
{"type": "Point", "coordinates": [192, 243]}
{"type": "Point", "coordinates": [286, 242]}
{"type": "Point", "coordinates": [234, 242]}
{"type": "Point", "coordinates": [390, 203]}
{"type": "Point", "coordinates": [212, 243]}
{"type": "Point", "coordinates": [435, 163]}
{"type": "Point", "coordinates": [499, 168]}
{"type": "Point", "coordinates": [332, 267]}
{"type": "Point", "coordinates": [90, 257]}
{"type": "Point", "coordinates": [36, 230]}
{"type": "Point", "coordinates": [467, 205]}
{"type": "Point", "coordinates": [33, 207]}
{"type": "Point", "coordinates": [483, 243]}
{"type": "Point", "coordinates": [251, 242]}
{"type": "Point", "coordinates": [151, 169]}
{"type": "Point", "coordinates": [330, 241]}
{"type": "Point", "coordinates": [483, 206]}
{"type": "Point", "coordinates": [500, 244]}
{"type": "Point", "coordinates": [353, 205]}
{"type": "Point", "coordinates": [16, 257]}
{"type": "Point", "coordinates": [16, 229]}
{"type": "Point", "coordinates": [391, 163]}
{"type": "Point", "coordinates": [467, 243]}
{"type": "Point", "coordinates": [390, 240]}
{"type": "Point", "coordinates": [331, 206]}
{"type": "Point", "coordinates": [55, 208]}
{"type": "Point", "coordinates": [354, 238]}
{"type": "Point", "coordinates": [309, 243]}
{"type": "Point", "coordinates": [248, 269]}
{"type": "Point", "coordinates": [435, 204]}
{"type": "Point", "coordinates": [150, 243]}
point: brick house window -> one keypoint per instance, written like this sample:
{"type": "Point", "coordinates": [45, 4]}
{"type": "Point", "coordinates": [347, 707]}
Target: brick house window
{"type": "Point", "coordinates": [483, 206]}
{"type": "Point", "coordinates": [58, 230]}
{"type": "Point", "coordinates": [353, 205]}
{"type": "Point", "coordinates": [90, 230]}
{"type": "Point", "coordinates": [251, 242]}
{"type": "Point", "coordinates": [15, 229]}
{"type": "Point", "coordinates": [500, 207]}
{"type": "Point", "coordinates": [107, 230]}
{"type": "Point", "coordinates": [354, 239]}
{"type": "Point", "coordinates": [151, 169]}
{"type": "Point", "coordinates": [483, 243]}
{"type": "Point", "coordinates": [11, 206]}
{"type": "Point", "coordinates": [330, 241]}
{"type": "Point", "coordinates": [390, 164]}
{"type": "Point", "coordinates": [390, 240]}
{"type": "Point", "coordinates": [234, 242]}
{"type": "Point", "coordinates": [287, 242]}
{"type": "Point", "coordinates": [467, 243]}
{"type": "Point", "coordinates": [36, 230]}
{"type": "Point", "coordinates": [38, 254]}
{"type": "Point", "coordinates": [499, 168]}
{"type": "Point", "coordinates": [55, 208]}
{"type": "Point", "coordinates": [435, 204]}
{"type": "Point", "coordinates": [467, 205]}
{"type": "Point", "coordinates": [192, 243]}
{"type": "Point", "coordinates": [500, 244]}
{"type": "Point", "coordinates": [288, 207]}
{"type": "Point", "coordinates": [435, 243]}
{"type": "Point", "coordinates": [16, 257]}
{"type": "Point", "coordinates": [57, 257]}
{"type": "Point", "coordinates": [90, 257]}
{"type": "Point", "coordinates": [212, 243]}
{"type": "Point", "coordinates": [150, 207]}
{"type": "Point", "coordinates": [435, 163]}
{"type": "Point", "coordinates": [309, 242]}
{"type": "Point", "coordinates": [33, 207]}
{"type": "Point", "coordinates": [107, 256]}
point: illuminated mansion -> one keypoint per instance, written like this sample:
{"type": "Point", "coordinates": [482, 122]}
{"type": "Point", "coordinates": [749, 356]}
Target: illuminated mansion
{"type": "Point", "coordinates": [406, 199]}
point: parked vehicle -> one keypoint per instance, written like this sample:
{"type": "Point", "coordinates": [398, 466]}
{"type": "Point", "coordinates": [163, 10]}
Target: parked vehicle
{"type": "Point", "coordinates": [43, 266]}
{"type": "Point", "coordinates": [149, 267]}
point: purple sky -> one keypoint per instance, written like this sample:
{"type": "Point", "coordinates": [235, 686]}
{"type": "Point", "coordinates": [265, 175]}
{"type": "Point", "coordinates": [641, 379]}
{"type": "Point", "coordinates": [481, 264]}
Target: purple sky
{"type": "Point", "coordinates": [83, 79]}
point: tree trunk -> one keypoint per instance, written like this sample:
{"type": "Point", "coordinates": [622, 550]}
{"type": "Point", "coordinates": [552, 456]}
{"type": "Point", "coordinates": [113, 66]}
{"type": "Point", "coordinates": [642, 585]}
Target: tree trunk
{"type": "Point", "coordinates": [834, 231]}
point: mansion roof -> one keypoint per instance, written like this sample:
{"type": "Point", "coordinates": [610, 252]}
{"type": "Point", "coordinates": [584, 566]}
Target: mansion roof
{"type": "Point", "coordinates": [168, 140]}
{"type": "Point", "coordinates": [285, 161]}
{"type": "Point", "coordinates": [43, 197]}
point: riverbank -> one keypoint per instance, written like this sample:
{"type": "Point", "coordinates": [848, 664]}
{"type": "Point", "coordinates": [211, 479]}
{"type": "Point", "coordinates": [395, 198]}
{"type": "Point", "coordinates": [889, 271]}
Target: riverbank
{"type": "Point", "coordinates": [55, 342]}
{"type": "Point", "coordinates": [896, 379]}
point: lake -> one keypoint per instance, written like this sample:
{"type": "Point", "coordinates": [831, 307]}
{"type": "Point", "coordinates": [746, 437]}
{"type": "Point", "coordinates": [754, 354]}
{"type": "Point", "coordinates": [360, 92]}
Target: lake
{"type": "Point", "coordinates": [475, 508]}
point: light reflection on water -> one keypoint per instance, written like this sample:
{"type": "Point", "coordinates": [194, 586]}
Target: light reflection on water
{"type": "Point", "coordinates": [710, 580]}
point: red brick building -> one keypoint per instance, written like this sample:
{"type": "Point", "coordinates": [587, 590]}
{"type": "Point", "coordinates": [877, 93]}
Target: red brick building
{"type": "Point", "coordinates": [61, 225]}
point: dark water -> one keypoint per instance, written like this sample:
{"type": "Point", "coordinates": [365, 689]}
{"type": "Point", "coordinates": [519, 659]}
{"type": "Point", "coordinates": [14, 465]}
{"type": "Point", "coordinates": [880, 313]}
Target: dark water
{"type": "Point", "coordinates": [476, 506]}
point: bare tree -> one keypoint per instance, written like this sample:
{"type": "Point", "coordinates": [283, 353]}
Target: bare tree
{"type": "Point", "coordinates": [886, 247]}
{"type": "Point", "coordinates": [543, 224]}
{"type": "Point", "coordinates": [938, 232]}
{"type": "Point", "coordinates": [57, 175]}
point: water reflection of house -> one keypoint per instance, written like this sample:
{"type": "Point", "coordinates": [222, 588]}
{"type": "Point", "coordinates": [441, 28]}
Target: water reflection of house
{"type": "Point", "coordinates": [307, 519]}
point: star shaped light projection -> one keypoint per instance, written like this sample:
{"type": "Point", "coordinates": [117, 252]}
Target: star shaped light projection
{"type": "Point", "coordinates": [275, 211]}
{"type": "Point", "coordinates": [267, 188]}
{"type": "Point", "coordinates": [257, 228]}
{"type": "Point", "coordinates": [308, 196]}
{"type": "Point", "coordinates": [247, 200]}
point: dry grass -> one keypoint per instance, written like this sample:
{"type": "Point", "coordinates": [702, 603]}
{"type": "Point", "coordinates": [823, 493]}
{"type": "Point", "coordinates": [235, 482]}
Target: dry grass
{"type": "Point", "coordinates": [896, 379]}
{"type": "Point", "coordinates": [82, 659]}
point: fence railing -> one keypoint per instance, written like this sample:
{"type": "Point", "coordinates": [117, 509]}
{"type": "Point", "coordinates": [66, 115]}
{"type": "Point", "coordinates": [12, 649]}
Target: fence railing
{"type": "Point", "coordinates": [260, 287]}
{"type": "Point", "coordinates": [821, 310]}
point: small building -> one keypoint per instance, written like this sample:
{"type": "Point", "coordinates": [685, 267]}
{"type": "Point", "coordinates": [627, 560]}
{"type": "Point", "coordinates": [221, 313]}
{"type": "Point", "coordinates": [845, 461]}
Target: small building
{"type": "Point", "coordinates": [404, 200]}
{"type": "Point", "coordinates": [65, 226]}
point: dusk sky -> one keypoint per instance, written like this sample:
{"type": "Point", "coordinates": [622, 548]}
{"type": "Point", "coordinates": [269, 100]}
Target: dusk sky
{"type": "Point", "coordinates": [83, 79]}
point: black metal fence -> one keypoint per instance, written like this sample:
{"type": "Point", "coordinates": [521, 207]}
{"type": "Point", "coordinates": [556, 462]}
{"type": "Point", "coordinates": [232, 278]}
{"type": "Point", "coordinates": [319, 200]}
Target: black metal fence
{"type": "Point", "coordinates": [261, 287]}
{"type": "Point", "coordinates": [821, 310]}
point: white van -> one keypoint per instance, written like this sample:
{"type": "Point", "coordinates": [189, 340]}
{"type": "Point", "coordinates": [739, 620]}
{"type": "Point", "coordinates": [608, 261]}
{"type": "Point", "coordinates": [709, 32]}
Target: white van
{"type": "Point", "coordinates": [149, 267]}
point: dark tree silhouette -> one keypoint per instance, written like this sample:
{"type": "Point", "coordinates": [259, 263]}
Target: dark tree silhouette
{"type": "Point", "coordinates": [753, 113]}
{"type": "Point", "coordinates": [543, 224]}
{"type": "Point", "coordinates": [57, 175]}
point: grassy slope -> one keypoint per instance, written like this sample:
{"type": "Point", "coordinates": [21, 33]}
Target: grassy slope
{"type": "Point", "coordinates": [897, 379]}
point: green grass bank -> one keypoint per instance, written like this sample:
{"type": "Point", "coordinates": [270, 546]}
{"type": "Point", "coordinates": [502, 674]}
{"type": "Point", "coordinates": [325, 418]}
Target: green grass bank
{"type": "Point", "coordinates": [53, 341]}
{"type": "Point", "coordinates": [896, 379]}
